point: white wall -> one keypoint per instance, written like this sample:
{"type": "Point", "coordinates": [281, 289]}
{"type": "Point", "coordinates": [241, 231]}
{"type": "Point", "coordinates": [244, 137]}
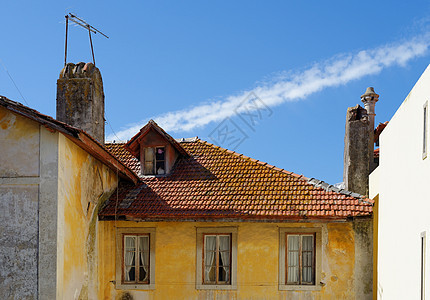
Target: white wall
{"type": "Point", "coordinates": [404, 198]}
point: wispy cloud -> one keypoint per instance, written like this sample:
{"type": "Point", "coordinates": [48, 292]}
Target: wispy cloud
{"type": "Point", "coordinates": [338, 70]}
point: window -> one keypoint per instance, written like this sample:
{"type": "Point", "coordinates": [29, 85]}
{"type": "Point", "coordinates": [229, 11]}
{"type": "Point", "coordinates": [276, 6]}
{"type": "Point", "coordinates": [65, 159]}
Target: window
{"type": "Point", "coordinates": [300, 258]}
{"type": "Point", "coordinates": [423, 263]}
{"type": "Point", "coordinates": [216, 258]}
{"type": "Point", "coordinates": [135, 258]}
{"type": "Point", "coordinates": [154, 161]}
{"type": "Point", "coordinates": [425, 108]}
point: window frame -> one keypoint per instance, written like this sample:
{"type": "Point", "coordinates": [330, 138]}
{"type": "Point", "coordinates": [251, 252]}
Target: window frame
{"type": "Point", "coordinates": [283, 251]}
{"type": "Point", "coordinates": [202, 232]}
{"type": "Point", "coordinates": [136, 264]}
{"type": "Point", "coordinates": [300, 252]}
{"type": "Point", "coordinates": [154, 161]}
{"type": "Point", "coordinates": [120, 282]}
{"type": "Point", "coordinates": [217, 251]}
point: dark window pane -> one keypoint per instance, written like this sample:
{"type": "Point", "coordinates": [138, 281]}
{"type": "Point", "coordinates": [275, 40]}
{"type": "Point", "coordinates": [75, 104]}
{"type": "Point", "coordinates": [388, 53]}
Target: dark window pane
{"type": "Point", "coordinates": [131, 274]}
{"type": "Point", "coordinates": [159, 153]}
{"type": "Point", "coordinates": [161, 168]}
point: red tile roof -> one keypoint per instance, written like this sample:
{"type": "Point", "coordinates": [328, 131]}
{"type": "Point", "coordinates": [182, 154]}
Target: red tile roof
{"type": "Point", "coordinates": [214, 183]}
{"type": "Point", "coordinates": [376, 153]}
{"type": "Point", "coordinates": [378, 131]}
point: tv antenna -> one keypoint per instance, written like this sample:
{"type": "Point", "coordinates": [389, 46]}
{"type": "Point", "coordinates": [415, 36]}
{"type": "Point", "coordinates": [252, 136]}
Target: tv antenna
{"type": "Point", "coordinates": [85, 25]}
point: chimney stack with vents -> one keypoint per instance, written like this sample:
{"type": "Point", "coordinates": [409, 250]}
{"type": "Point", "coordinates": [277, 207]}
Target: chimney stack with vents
{"type": "Point", "coordinates": [80, 99]}
{"type": "Point", "coordinates": [359, 144]}
{"type": "Point", "coordinates": [369, 98]}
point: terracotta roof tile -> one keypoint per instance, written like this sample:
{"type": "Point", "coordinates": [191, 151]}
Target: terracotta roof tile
{"type": "Point", "coordinates": [216, 183]}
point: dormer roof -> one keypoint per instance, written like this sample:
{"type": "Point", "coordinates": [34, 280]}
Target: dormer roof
{"type": "Point", "coordinates": [133, 145]}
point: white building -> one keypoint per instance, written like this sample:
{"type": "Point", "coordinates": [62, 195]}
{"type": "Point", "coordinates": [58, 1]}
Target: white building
{"type": "Point", "coordinates": [400, 186]}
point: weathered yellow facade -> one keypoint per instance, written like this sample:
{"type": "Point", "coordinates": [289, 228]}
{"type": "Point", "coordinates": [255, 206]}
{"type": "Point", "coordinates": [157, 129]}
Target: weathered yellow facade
{"type": "Point", "coordinates": [84, 183]}
{"type": "Point", "coordinates": [257, 262]}
{"type": "Point", "coordinates": [52, 191]}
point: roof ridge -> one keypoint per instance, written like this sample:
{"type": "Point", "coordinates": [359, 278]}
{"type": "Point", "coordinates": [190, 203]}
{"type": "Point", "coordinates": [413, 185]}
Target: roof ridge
{"type": "Point", "coordinates": [265, 164]}
{"type": "Point", "coordinates": [330, 187]}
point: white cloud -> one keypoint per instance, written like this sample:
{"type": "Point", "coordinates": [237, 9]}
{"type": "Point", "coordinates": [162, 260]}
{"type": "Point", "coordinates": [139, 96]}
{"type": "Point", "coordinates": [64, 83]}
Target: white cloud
{"type": "Point", "coordinates": [338, 70]}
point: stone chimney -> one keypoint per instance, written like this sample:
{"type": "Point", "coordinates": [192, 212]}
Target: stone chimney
{"type": "Point", "coordinates": [80, 99]}
{"type": "Point", "coordinates": [359, 144]}
{"type": "Point", "coordinates": [369, 98]}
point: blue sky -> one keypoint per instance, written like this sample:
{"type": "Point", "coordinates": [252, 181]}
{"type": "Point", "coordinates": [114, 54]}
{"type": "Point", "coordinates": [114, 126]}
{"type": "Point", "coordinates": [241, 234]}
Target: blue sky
{"type": "Point", "coordinates": [191, 65]}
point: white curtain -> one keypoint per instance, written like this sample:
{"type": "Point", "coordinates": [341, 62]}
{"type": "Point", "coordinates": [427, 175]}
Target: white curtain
{"type": "Point", "coordinates": [293, 258]}
{"type": "Point", "coordinates": [224, 247]}
{"type": "Point", "coordinates": [144, 256]}
{"type": "Point", "coordinates": [210, 244]}
{"type": "Point", "coordinates": [130, 250]}
{"type": "Point", "coordinates": [307, 258]}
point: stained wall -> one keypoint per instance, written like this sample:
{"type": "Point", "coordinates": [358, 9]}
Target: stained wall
{"type": "Point", "coordinates": [84, 183]}
{"type": "Point", "coordinates": [346, 261]}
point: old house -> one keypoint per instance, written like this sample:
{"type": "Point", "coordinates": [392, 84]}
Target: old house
{"type": "Point", "coordinates": [401, 181]}
{"type": "Point", "coordinates": [159, 218]}
{"type": "Point", "coordinates": [53, 178]}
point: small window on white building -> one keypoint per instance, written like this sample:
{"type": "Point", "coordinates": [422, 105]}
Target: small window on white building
{"type": "Point", "coordinates": [425, 118]}
{"type": "Point", "coordinates": [154, 161]}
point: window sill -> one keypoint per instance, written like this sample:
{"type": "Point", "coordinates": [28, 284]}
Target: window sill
{"type": "Point", "coordinates": [215, 287]}
{"type": "Point", "coordinates": [135, 286]}
{"type": "Point", "coordinates": [285, 287]}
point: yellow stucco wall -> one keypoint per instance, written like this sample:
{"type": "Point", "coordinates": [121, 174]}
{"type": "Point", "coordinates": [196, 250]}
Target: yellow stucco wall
{"type": "Point", "coordinates": [257, 262]}
{"type": "Point", "coordinates": [21, 135]}
{"type": "Point", "coordinates": [84, 183]}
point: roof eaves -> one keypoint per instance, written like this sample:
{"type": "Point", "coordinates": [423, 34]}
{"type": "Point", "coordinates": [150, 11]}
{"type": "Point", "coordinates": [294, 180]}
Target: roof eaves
{"type": "Point", "coordinates": [331, 188]}
{"type": "Point", "coordinates": [78, 136]}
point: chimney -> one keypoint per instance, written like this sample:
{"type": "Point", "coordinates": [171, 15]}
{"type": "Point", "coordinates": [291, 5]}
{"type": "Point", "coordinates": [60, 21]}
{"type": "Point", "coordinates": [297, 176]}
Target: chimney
{"type": "Point", "coordinates": [369, 98]}
{"type": "Point", "coordinates": [80, 99]}
{"type": "Point", "coordinates": [359, 144]}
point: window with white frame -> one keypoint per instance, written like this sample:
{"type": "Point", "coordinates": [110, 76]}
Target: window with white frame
{"type": "Point", "coordinates": [300, 258]}
{"type": "Point", "coordinates": [154, 161]}
{"type": "Point", "coordinates": [135, 258]}
{"type": "Point", "coordinates": [216, 258]}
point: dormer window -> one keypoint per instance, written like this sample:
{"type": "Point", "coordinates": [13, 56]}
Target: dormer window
{"type": "Point", "coordinates": [154, 161]}
{"type": "Point", "coordinates": [156, 151]}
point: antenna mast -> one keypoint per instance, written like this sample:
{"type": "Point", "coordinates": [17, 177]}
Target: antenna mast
{"type": "Point", "coordinates": [85, 25]}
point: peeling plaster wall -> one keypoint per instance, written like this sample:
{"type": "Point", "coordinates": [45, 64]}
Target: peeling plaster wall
{"type": "Point", "coordinates": [50, 193]}
{"type": "Point", "coordinates": [84, 183]}
{"type": "Point", "coordinates": [18, 241]}
{"type": "Point", "coordinates": [344, 262]}
{"type": "Point", "coordinates": [363, 273]}
{"type": "Point", "coordinates": [28, 176]}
